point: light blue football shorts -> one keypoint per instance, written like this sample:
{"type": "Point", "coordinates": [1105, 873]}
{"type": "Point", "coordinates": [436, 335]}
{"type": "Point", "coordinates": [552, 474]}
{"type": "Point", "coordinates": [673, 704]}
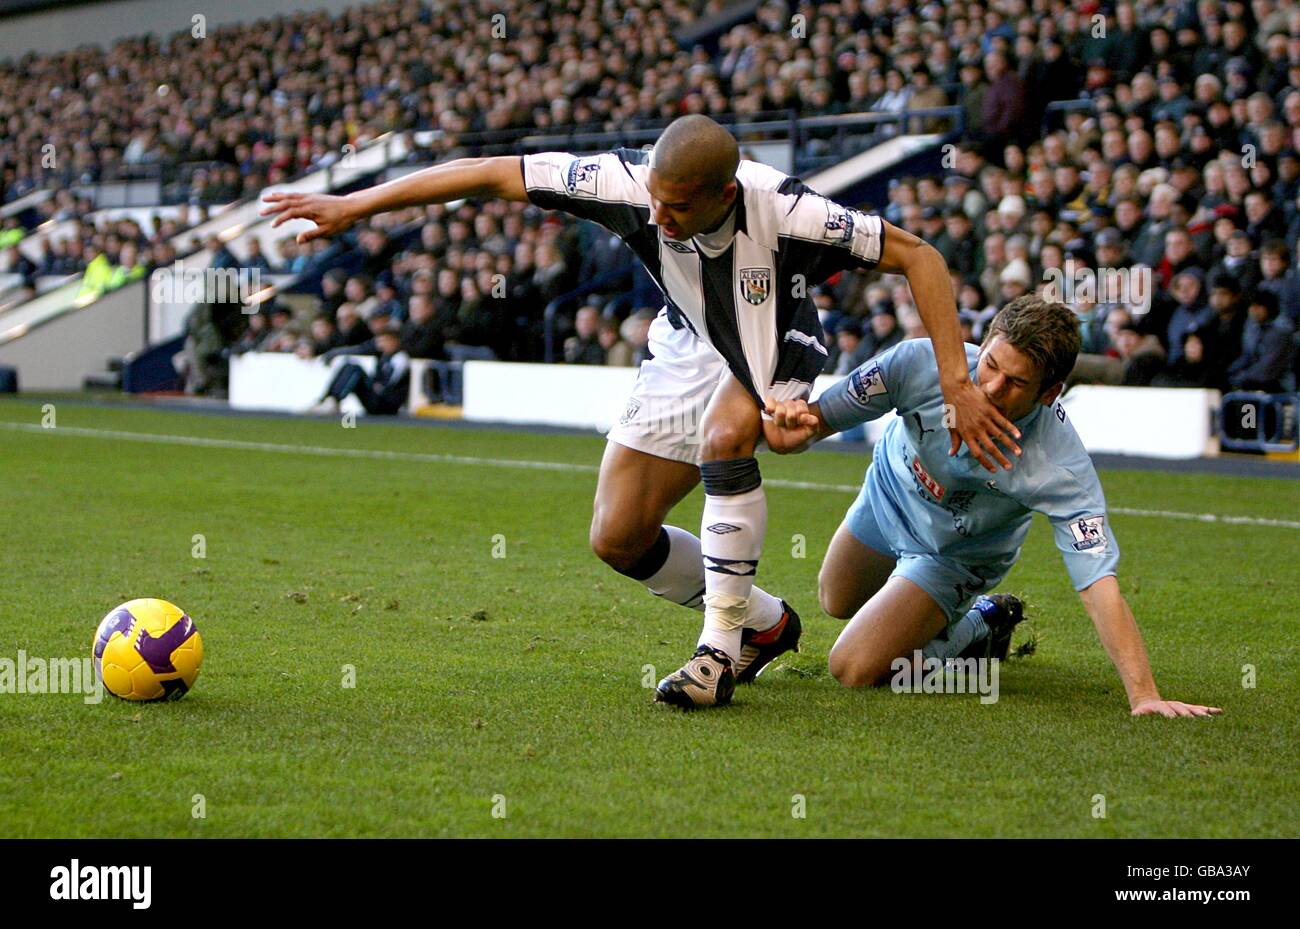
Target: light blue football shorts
{"type": "Point", "coordinates": [952, 585]}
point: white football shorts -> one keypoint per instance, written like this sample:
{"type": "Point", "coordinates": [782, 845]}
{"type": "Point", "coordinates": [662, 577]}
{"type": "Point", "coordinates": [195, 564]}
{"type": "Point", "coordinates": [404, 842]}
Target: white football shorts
{"type": "Point", "coordinates": [663, 414]}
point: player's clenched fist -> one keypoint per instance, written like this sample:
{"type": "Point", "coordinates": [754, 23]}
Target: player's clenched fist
{"type": "Point", "coordinates": [794, 425]}
{"type": "Point", "coordinates": [328, 212]}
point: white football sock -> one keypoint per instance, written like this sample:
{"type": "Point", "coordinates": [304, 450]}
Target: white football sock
{"type": "Point", "coordinates": [735, 520]}
{"type": "Point", "coordinates": [681, 580]}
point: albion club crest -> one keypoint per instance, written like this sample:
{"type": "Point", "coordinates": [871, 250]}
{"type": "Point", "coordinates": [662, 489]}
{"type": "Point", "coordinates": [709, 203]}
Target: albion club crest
{"type": "Point", "coordinates": [756, 284]}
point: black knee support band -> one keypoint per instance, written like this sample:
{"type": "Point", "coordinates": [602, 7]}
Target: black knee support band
{"type": "Point", "coordinates": [730, 477]}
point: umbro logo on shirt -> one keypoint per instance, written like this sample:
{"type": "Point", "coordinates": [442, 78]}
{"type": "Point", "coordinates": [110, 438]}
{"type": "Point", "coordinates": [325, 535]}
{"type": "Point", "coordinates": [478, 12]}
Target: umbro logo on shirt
{"type": "Point", "coordinates": [723, 528]}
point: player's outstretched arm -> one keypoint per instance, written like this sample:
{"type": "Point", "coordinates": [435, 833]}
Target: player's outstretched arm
{"type": "Point", "coordinates": [1119, 635]}
{"type": "Point", "coordinates": [794, 425]}
{"type": "Point", "coordinates": [977, 422]}
{"type": "Point", "coordinates": [499, 177]}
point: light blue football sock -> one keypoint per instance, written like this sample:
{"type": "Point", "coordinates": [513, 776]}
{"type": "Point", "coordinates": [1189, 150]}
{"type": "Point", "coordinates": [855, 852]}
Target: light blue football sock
{"type": "Point", "coordinates": [970, 628]}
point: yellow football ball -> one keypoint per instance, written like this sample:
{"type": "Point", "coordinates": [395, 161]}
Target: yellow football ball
{"type": "Point", "coordinates": [147, 650]}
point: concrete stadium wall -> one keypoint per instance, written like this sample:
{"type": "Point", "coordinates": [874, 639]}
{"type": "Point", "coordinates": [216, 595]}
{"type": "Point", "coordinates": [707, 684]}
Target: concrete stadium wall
{"type": "Point", "coordinates": [104, 23]}
{"type": "Point", "coordinates": [58, 354]}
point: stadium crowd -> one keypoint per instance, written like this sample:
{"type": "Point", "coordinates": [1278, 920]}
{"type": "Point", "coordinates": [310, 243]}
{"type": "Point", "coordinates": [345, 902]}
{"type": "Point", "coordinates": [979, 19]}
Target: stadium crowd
{"type": "Point", "coordinates": [1178, 166]}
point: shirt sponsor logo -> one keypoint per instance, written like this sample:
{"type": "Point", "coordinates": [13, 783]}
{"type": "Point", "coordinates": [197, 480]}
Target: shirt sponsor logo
{"type": "Point", "coordinates": [756, 284]}
{"type": "Point", "coordinates": [581, 178]}
{"type": "Point", "coordinates": [1089, 534]}
{"type": "Point", "coordinates": [934, 487]}
{"type": "Point", "coordinates": [865, 384]}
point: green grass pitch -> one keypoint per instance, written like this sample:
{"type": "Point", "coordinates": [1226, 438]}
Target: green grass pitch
{"type": "Point", "coordinates": [515, 684]}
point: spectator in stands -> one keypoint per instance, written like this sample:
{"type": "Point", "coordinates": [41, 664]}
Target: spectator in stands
{"type": "Point", "coordinates": [1237, 263]}
{"type": "Point", "coordinates": [1279, 280]}
{"type": "Point", "coordinates": [324, 335]}
{"type": "Point", "coordinates": [256, 260]}
{"type": "Point", "coordinates": [973, 91]}
{"type": "Point", "coordinates": [332, 295]}
{"type": "Point", "coordinates": [617, 352]}
{"type": "Point", "coordinates": [1264, 221]}
{"type": "Point", "coordinates": [583, 347]}
{"type": "Point", "coordinates": [387, 300]}
{"type": "Point", "coordinates": [551, 277]}
{"type": "Point", "coordinates": [1141, 355]}
{"type": "Point", "coordinates": [220, 254]}
{"type": "Point", "coordinates": [421, 335]}
{"type": "Point", "coordinates": [850, 348]}
{"type": "Point", "coordinates": [895, 99]}
{"type": "Point", "coordinates": [957, 242]}
{"type": "Point", "coordinates": [1003, 118]}
{"type": "Point", "coordinates": [1189, 369]}
{"type": "Point", "coordinates": [202, 360]}
{"type": "Point", "coordinates": [352, 329]}
{"type": "Point", "coordinates": [926, 95]}
{"type": "Point", "coordinates": [636, 332]}
{"type": "Point", "coordinates": [381, 394]}
{"type": "Point", "coordinates": [479, 332]}
{"type": "Point", "coordinates": [1179, 256]}
{"type": "Point", "coordinates": [1190, 312]}
{"type": "Point", "coordinates": [283, 332]}
{"type": "Point", "coordinates": [972, 304]}
{"type": "Point", "coordinates": [17, 263]}
{"type": "Point", "coordinates": [360, 291]}
{"type": "Point", "coordinates": [883, 331]}
{"type": "Point", "coordinates": [1269, 352]}
{"type": "Point", "coordinates": [1160, 147]}
{"type": "Point", "coordinates": [254, 336]}
{"type": "Point", "coordinates": [1222, 334]}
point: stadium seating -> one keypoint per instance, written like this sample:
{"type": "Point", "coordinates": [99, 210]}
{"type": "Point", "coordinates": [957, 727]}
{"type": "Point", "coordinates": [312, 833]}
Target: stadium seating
{"type": "Point", "coordinates": [1155, 139]}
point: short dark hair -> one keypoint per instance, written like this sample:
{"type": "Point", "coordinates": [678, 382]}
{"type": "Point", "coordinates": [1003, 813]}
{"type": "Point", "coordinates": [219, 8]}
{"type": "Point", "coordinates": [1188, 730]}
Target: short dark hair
{"type": "Point", "coordinates": [1276, 248]}
{"type": "Point", "coordinates": [1045, 331]}
{"type": "Point", "coordinates": [1268, 301]}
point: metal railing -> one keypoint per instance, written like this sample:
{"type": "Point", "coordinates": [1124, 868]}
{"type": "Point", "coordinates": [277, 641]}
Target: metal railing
{"type": "Point", "coordinates": [548, 315]}
{"type": "Point", "coordinates": [768, 126]}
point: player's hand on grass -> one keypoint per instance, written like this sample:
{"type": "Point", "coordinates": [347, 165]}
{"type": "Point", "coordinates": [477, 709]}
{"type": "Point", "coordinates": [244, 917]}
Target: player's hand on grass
{"type": "Point", "coordinates": [981, 426]}
{"type": "Point", "coordinates": [329, 212]}
{"type": "Point", "coordinates": [1172, 708]}
{"type": "Point", "coordinates": [792, 428]}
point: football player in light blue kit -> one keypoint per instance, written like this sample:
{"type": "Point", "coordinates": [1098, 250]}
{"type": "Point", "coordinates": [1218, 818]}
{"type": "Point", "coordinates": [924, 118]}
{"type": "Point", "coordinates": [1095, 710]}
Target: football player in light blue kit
{"type": "Point", "coordinates": [931, 532]}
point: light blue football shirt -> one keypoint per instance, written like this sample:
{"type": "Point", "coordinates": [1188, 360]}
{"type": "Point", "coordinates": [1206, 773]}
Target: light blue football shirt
{"type": "Point", "coordinates": [926, 502]}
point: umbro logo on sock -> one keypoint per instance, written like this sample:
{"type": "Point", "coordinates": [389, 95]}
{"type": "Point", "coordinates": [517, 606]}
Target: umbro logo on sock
{"type": "Point", "coordinates": [723, 528]}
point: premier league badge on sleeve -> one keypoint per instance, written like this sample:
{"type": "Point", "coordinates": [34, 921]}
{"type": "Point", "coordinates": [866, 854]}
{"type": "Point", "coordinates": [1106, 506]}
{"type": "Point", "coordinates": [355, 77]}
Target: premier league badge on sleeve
{"type": "Point", "coordinates": [1089, 534]}
{"type": "Point", "coordinates": [755, 284]}
{"type": "Point", "coordinates": [581, 178]}
{"type": "Point", "coordinates": [865, 384]}
{"type": "Point", "coordinates": [839, 223]}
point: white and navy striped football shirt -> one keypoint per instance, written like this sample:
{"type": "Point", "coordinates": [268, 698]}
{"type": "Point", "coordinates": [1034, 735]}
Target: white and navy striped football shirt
{"type": "Point", "coordinates": [744, 288]}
